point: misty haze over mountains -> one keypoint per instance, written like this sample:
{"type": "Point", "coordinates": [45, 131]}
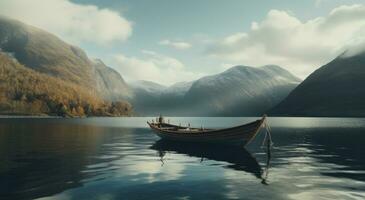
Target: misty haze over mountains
{"type": "Point", "coordinates": [41, 74]}
{"type": "Point", "coordinates": [238, 91]}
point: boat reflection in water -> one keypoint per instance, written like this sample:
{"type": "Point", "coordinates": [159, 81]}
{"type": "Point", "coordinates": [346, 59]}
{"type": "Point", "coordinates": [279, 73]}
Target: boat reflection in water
{"type": "Point", "coordinates": [237, 157]}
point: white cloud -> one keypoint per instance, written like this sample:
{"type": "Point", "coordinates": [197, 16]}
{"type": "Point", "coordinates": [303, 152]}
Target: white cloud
{"type": "Point", "coordinates": [176, 44]}
{"type": "Point", "coordinates": [73, 22]}
{"type": "Point", "coordinates": [153, 67]}
{"type": "Point", "coordinates": [301, 47]}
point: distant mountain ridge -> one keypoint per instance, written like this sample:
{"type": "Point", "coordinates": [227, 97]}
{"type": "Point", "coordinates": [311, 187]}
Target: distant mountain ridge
{"type": "Point", "coordinates": [47, 55]}
{"type": "Point", "coordinates": [334, 90]}
{"type": "Point", "coordinates": [238, 91]}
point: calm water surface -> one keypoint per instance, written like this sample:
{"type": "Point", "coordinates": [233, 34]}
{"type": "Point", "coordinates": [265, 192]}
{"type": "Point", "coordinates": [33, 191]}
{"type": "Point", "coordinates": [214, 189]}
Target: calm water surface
{"type": "Point", "coordinates": [119, 158]}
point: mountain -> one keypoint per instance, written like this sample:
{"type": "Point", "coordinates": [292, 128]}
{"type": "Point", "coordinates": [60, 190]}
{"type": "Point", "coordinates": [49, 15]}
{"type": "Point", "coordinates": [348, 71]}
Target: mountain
{"type": "Point", "coordinates": [148, 87]}
{"type": "Point", "coordinates": [147, 95]}
{"type": "Point", "coordinates": [178, 89]}
{"type": "Point", "coordinates": [46, 53]}
{"type": "Point", "coordinates": [335, 90]}
{"type": "Point", "coordinates": [109, 83]}
{"type": "Point", "coordinates": [238, 91]}
{"type": "Point", "coordinates": [46, 57]}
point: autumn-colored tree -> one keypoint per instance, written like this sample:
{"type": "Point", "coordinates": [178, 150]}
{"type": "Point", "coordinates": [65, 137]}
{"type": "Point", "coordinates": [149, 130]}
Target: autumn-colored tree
{"type": "Point", "coordinates": [25, 91]}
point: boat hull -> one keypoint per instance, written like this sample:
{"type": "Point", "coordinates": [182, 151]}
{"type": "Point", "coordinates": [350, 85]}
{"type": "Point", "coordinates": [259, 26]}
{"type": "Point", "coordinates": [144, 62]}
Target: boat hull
{"type": "Point", "coordinates": [241, 135]}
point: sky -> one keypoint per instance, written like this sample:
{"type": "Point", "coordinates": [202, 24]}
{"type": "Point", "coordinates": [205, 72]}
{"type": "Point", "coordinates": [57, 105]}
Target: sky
{"type": "Point", "coordinates": [169, 41]}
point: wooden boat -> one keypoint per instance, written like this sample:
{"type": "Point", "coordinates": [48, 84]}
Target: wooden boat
{"type": "Point", "coordinates": [242, 134]}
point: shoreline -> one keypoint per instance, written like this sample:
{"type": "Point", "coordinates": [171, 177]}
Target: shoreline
{"type": "Point", "coordinates": [28, 116]}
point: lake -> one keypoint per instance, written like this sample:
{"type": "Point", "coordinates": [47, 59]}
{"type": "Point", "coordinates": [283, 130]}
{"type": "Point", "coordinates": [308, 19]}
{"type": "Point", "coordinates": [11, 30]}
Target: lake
{"type": "Point", "coordinates": [120, 158]}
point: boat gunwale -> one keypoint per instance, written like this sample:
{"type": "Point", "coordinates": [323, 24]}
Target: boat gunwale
{"type": "Point", "coordinates": [212, 132]}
